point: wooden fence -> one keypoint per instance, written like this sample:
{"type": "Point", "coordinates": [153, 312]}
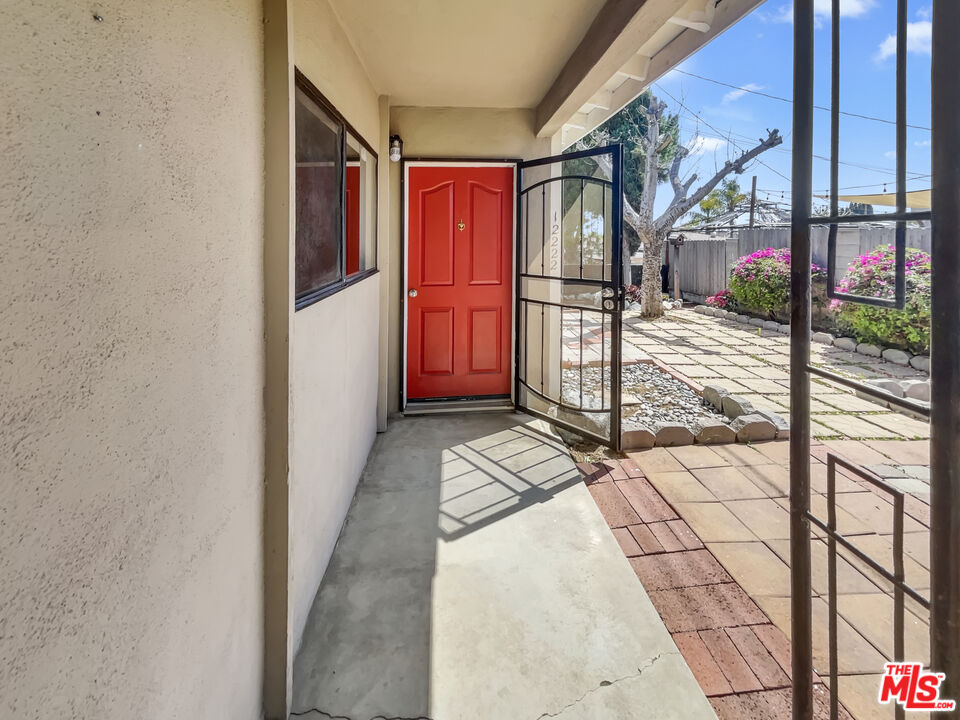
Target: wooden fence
{"type": "Point", "coordinates": [705, 262]}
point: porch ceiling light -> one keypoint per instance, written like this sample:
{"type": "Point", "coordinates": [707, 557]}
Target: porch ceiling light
{"type": "Point", "coordinates": [396, 145]}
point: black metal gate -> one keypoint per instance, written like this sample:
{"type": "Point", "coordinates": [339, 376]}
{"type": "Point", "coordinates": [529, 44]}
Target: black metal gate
{"type": "Point", "coordinates": [570, 291]}
{"type": "Point", "coordinates": [944, 409]}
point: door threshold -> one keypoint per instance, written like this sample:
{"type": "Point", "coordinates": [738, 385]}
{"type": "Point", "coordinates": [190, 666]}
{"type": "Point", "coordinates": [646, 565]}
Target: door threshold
{"type": "Point", "coordinates": [437, 407]}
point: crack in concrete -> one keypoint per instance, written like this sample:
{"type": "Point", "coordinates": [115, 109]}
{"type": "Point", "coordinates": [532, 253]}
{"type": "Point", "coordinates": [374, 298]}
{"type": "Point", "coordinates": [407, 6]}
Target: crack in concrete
{"type": "Point", "coordinates": [606, 683]}
{"type": "Point", "coordinates": [603, 684]}
{"type": "Point", "coordinates": [324, 713]}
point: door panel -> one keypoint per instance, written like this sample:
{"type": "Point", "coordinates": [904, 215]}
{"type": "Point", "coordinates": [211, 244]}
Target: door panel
{"type": "Point", "coordinates": [486, 348]}
{"type": "Point", "coordinates": [436, 250]}
{"type": "Point", "coordinates": [437, 350]}
{"type": "Point", "coordinates": [459, 273]}
{"type": "Point", "coordinates": [485, 214]}
{"type": "Point", "coordinates": [570, 291]}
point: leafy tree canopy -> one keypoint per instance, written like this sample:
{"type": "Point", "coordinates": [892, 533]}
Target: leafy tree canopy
{"type": "Point", "coordinates": [720, 200]}
{"type": "Point", "coordinates": [629, 127]}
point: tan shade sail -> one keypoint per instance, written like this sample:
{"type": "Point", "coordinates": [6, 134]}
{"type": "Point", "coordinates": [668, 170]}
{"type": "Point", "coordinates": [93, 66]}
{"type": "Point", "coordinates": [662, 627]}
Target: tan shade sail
{"type": "Point", "coordinates": [916, 199]}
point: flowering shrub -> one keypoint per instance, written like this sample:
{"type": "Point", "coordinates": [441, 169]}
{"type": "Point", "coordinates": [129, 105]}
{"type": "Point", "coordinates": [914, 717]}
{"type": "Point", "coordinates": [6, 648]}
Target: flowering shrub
{"type": "Point", "coordinates": [723, 300]}
{"type": "Point", "coordinates": [873, 275]}
{"type": "Point", "coordinates": [761, 280]}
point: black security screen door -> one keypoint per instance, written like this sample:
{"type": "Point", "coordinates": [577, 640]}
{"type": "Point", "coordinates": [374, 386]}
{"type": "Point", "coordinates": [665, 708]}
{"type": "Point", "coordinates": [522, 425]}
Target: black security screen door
{"type": "Point", "coordinates": [570, 291]}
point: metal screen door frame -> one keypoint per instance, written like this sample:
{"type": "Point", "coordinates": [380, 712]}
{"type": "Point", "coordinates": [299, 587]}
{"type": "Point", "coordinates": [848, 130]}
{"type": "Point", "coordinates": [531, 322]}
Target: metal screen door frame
{"type": "Point", "coordinates": [943, 411]}
{"type": "Point", "coordinates": [610, 289]}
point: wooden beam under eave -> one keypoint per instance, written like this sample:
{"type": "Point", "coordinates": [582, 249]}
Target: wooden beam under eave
{"type": "Point", "coordinates": [603, 31]}
{"type": "Point", "coordinates": [602, 99]}
{"type": "Point", "coordinates": [616, 34]}
{"type": "Point", "coordinates": [689, 41]}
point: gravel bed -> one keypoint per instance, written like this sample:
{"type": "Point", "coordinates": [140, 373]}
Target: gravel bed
{"type": "Point", "coordinates": [663, 398]}
{"type": "Point", "coordinates": [570, 387]}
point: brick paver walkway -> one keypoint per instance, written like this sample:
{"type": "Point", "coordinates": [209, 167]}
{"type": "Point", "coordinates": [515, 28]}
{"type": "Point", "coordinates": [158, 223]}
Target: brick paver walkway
{"type": "Point", "coordinates": [706, 530]}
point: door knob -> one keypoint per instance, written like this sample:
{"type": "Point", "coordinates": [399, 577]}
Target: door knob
{"type": "Point", "coordinates": [412, 292]}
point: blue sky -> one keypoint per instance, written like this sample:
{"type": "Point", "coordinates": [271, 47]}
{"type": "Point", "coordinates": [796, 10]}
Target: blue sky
{"type": "Point", "coordinates": [757, 54]}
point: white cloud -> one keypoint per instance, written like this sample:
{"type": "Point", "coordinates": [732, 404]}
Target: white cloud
{"type": "Point", "coordinates": [783, 14]}
{"type": "Point", "coordinates": [848, 8]}
{"type": "Point", "coordinates": [740, 92]}
{"type": "Point", "coordinates": [821, 10]}
{"type": "Point", "coordinates": [890, 153]}
{"type": "Point", "coordinates": [919, 41]}
{"type": "Point", "coordinates": [922, 143]}
{"type": "Point", "coordinates": [703, 145]}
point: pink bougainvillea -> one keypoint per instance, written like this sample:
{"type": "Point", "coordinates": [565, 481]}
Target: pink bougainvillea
{"type": "Point", "coordinates": [873, 274]}
{"type": "Point", "coordinates": [722, 300]}
{"type": "Point", "coordinates": [761, 280]}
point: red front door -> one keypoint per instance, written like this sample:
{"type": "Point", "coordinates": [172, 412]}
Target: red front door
{"type": "Point", "coordinates": [459, 261]}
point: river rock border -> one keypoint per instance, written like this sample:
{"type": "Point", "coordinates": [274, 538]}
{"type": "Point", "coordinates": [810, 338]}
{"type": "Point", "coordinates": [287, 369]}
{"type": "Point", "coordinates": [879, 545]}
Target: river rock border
{"type": "Point", "coordinates": [849, 344]}
{"type": "Point", "coordinates": [743, 423]}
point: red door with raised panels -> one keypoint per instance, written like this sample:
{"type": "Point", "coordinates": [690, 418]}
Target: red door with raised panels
{"type": "Point", "coordinates": [459, 280]}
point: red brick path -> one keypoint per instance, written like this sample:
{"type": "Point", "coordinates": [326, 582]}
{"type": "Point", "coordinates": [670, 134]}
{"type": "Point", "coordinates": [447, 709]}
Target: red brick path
{"type": "Point", "coordinates": [740, 658]}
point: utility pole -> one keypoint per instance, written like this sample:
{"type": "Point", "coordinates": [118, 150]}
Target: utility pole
{"type": "Point", "coordinates": [753, 199]}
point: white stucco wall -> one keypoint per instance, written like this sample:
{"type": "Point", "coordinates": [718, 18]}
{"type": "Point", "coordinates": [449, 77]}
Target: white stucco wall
{"type": "Point", "coordinates": [335, 363]}
{"type": "Point", "coordinates": [131, 359]}
{"type": "Point", "coordinates": [334, 389]}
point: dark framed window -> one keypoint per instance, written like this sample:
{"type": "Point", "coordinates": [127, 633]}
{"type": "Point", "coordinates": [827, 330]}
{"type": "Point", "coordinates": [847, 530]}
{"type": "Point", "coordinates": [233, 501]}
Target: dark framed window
{"type": "Point", "coordinates": [336, 199]}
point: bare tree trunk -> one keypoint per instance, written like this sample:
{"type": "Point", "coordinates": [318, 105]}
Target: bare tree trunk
{"type": "Point", "coordinates": [651, 286]}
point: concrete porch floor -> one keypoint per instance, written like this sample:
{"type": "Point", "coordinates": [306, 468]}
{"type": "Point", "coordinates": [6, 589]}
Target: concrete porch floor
{"type": "Point", "coordinates": [475, 577]}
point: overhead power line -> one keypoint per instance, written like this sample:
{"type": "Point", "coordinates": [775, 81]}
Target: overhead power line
{"type": "Point", "coordinates": [790, 102]}
{"type": "Point", "coordinates": [912, 175]}
{"type": "Point", "coordinates": [729, 137]}
{"type": "Point", "coordinates": [720, 132]}
{"type": "Point", "coordinates": [852, 187]}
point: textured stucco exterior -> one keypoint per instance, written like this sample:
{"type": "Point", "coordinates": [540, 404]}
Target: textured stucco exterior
{"type": "Point", "coordinates": [324, 53]}
{"type": "Point", "coordinates": [335, 358]}
{"type": "Point", "coordinates": [131, 451]}
{"type": "Point", "coordinates": [334, 410]}
{"type": "Point", "coordinates": [167, 420]}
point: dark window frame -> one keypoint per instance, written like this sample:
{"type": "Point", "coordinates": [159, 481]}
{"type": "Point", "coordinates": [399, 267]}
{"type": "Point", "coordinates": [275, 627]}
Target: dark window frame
{"type": "Point", "coordinates": [310, 297]}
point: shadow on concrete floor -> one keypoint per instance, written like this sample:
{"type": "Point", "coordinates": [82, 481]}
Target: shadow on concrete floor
{"type": "Point", "coordinates": [475, 578]}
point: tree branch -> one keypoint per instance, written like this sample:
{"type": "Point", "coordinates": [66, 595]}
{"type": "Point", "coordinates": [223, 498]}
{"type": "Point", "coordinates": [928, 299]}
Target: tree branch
{"type": "Point", "coordinates": [679, 188]}
{"type": "Point", "coordinates": [630, 215]}
{"type": "Point", "coordinates": [651, 160]}
{"type": "Point", "coordinates": [681, 203]}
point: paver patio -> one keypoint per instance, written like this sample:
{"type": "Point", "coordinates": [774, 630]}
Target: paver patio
{"type": "Point", "coordinates": [755, 363]}
{"type": "Point", "coordinates": [706, 529]}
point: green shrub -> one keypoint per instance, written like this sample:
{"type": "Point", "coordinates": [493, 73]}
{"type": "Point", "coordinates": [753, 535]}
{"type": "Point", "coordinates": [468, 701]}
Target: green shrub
{"type": "Point", "coordinates": [873, 275]}
{"type": "Point", "coordinates": [761, 281]}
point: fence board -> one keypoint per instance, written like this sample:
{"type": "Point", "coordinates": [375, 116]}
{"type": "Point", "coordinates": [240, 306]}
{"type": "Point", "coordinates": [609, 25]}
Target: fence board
{"type": "Point", "coordinates": [705, 263]}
